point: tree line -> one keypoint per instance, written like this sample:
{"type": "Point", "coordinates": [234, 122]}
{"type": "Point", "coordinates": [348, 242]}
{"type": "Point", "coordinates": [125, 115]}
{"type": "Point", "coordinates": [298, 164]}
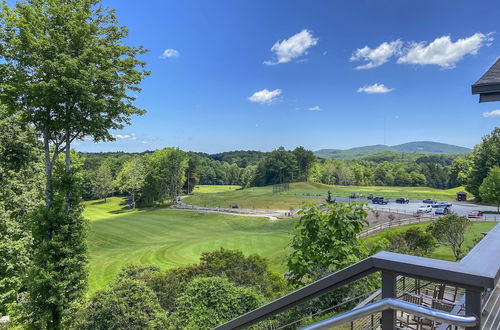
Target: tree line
{"type": "Point", "coordinates": [165, 174]}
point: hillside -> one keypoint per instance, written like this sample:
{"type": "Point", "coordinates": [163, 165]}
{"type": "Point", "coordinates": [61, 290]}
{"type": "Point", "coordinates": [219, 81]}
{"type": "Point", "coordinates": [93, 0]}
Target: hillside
{"type": "Point", "coordinates": [410, 147]}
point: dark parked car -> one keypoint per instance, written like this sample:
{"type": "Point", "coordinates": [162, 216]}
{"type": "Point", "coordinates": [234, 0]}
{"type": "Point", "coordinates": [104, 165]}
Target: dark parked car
{"type": "Point", "coordinates": [442, 210]}
{"type": "Point", "coordinates": [402, 200]}
{"type": "Point", "coordinates": [429, 201]}
{"type": "Point", "coordinates": [379, 200]}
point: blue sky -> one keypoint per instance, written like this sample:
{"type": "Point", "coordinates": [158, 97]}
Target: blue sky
{"type": "Point", "coordinates": [416, 61]}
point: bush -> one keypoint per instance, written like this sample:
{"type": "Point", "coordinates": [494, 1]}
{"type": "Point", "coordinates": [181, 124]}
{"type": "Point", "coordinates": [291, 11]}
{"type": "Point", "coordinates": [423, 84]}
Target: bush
{"type": "Point", "coordinates": [127, 304]}
{"type": "Point", "coordinates": [414, 241]}
{"type": "Point", "coordinates": [211, 301]}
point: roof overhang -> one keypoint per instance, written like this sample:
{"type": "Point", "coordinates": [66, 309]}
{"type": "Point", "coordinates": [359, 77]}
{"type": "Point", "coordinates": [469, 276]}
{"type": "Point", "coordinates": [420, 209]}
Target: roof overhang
{"type": "Point", "coordinates": [488, 87]}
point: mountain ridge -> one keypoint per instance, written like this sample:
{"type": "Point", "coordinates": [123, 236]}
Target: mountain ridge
{"type": "Point", "coordinates": [408, 147]}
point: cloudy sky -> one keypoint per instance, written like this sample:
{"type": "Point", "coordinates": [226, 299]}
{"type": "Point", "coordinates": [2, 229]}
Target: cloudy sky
{"type": "Point", "coordinates": [258, 74]}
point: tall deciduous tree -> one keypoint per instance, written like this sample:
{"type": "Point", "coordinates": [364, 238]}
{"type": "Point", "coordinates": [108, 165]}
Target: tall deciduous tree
{"type": "Point", "coordinates": [450, 230]}
{"type": "Point", "coordinates": [102, 182]}
{"type": "Point", "coordinates": [131, 178]}
{"type": "Point", "coordinates": [64, 68]}
{"type": "Point", "coordinates": [485, 156]}
{"type": "Point", "coordinates": [489, 191]}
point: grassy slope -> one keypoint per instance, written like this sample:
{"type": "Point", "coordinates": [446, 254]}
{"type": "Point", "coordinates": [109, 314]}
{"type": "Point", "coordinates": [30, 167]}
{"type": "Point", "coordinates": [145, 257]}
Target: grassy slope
{"type": "Point", "coordinates": [443, 252]}
{"type": "Point", "coordinates": [263, 197]}
{"type": "Point", "coordinates": [173, 238]}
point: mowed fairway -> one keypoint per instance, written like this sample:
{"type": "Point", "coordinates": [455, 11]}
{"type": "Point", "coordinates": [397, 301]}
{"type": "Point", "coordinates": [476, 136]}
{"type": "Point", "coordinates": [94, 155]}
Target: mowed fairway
{"type": "Point", "coordinates": [169, 238]}
{"type": "Point", "coordinates": [263, 197]}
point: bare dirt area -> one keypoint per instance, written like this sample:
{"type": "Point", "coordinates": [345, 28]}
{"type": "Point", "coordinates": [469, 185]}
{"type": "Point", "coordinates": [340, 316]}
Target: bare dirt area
{"type": "Point", "coordinates": [378, 217]}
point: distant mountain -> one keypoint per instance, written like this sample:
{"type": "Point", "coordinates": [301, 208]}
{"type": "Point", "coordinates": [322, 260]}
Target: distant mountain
{"type": "Point", "coordinates": [410, 147]}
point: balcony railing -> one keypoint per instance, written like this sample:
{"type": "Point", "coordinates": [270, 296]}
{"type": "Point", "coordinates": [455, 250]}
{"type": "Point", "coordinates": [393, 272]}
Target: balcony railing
{"type": "Point", "coordinates": [476, 275]}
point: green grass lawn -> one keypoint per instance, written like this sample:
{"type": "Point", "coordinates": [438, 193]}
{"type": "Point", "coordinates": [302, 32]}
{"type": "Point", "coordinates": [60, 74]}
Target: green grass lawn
{"type": "Point", "coordinates": [263, 197]}
{"type": "Point", "coordinates": [442, 252]}
{"type": "Point", "coordinates": [208, 189]}
{"type": "Point", "coordinates": [169, 238]}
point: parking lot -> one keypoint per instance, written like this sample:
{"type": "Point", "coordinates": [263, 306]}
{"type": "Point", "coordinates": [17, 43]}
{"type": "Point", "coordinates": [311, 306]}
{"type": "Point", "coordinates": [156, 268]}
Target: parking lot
{"type": "Point", "coordinates": [460, 208]}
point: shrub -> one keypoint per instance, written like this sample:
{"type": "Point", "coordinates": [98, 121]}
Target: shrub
{"type": "Point", "coordinates": [210, 301]}
{"type": "Point", "coordinates": [127, 304]}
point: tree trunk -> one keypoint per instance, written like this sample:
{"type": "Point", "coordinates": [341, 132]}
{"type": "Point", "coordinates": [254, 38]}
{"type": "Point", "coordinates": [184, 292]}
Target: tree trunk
{"type": "Point", "coordinates": [48, 172]}
{"type": "Point", "coordinates": [68, 171]}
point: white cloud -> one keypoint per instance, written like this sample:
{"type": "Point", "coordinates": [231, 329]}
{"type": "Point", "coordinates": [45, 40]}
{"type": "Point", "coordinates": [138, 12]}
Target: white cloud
{"type": "Point", "coordinates": [265, 96]}
{"type": "Point", "coordinates": [293, 47]}
{"type": "Point", "coordinates": [170, 53]}
{"type": "Point", "coordinates": [377, 56]}
{"type": "Point", "coordinates": [444, 52]}
{"type": "Point", "coordinates": [131, 137]}
{"type": "Point", "coordinates": [492, 113]}
{"type": "Point", "coordinates": [315, 108]}
{"type": "Point", "coordinates": [375, 89]}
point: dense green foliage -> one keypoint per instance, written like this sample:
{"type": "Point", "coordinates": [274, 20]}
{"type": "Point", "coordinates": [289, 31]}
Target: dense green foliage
{"type": "Point", "coordinates": [126, 304]}
{"type": "Point", "coordinates": [489, 191]}
{"type": "Point", "coordinates": [208, 302]}
{"type": "Point", "coordinates": [102, 182]}
{"type": "Point", "coordinates": [66, 73]}
{"type": "Point", "coordinates": [223, 285]}
{"type": "Point", "coordinates": [21, 177]}
{"type": "Point", "coordinates": [485, 156]}
{"type": "Point", "coordinates": [326, 241]}
{"type": "Point", "coordinates": [58, 273]}
{"type": "Point", "coordinates": [413, 241]}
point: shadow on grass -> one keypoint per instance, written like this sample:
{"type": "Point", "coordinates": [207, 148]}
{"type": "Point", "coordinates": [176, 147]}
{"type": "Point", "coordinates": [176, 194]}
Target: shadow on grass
{"type": "Point", "coordinates": [101, 201]}
{"type": "Point", "coordinates": [122, 210]}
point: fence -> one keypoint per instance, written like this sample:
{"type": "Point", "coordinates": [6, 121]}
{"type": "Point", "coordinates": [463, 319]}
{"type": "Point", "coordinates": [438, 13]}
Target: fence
{"type": "Point", "coordinates": [483, 218]}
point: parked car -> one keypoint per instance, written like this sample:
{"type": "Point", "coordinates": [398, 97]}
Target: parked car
{"type": "Point", "coordinates": [425, 209]}
{"type": "Point", "coordinates": [402, 200]}
{"type": "Point", "coordinates": [379, 200]}
{"type": "Point", "coordinates": [352, 196]}
{"type": "Point", "coordinates": [442, 210]}
{"type": "Point", "coordinates": [441, 204]}
{"type": "Point", "coordinates": [475, 214]}
{"type": "Point", "coordinates": [429, 201]}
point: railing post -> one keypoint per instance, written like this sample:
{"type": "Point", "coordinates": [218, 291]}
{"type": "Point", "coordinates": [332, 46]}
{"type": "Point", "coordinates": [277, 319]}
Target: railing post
{"type": "Point", "coordinates": [388, 291]}
{"type": "Point", "coordinates": [473, 306]}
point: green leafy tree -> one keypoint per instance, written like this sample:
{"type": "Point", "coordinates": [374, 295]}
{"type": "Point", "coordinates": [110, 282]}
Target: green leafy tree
{"type": "Point", "coordinates": [211, 301]}
{"type": "Point", "coordinates": [485, 156]}
{"type": "Point", "coordinates": [57, 277]}
{"type": "Point", "coordinates": [305, 160]}
{"type": "Point", "coordinates": [459, 171]}
{"type": "Point", "coordinates": [450, 230]}
{"type": "Point", "coordinates": [192, 176]}
{"type": "Point", "coordinates": [249, 271]}
{"type": "Point", "coordinates": [489, 191]}
{"type": "Point", "coordinates": [414, 241]}
{"type": "Point", "coordinates": [127, 304]}
{"type": "Point", "coordinates": [165, 175]}
{"type": "Point", "coordinates": [65, 69]}
{"type": "Point", "coordinates": [102, 182]}
{"type": "Point", "coordinates": [21, 192]}
{"type": "Point", "coordinates": [131, 178]}
{"type": "Point", "coordinates": [326, 241]}
{"type": "Point", "coordinates": [246, 271]}
{"type": "Point", "coordinates": [279, 166]}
